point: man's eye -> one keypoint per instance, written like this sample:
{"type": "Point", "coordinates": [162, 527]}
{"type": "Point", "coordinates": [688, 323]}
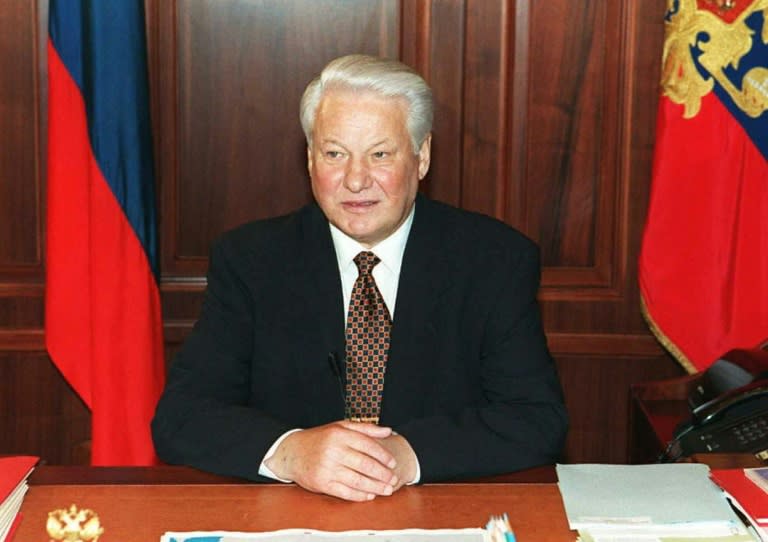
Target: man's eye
{"type": "Point", "coordinates": [380, 154]}
{"type": "Point", "coordinates": [332, 154]}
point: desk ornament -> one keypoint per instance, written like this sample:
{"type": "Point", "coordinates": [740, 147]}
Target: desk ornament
{"type": "Point", "coordinates": [74, 525]}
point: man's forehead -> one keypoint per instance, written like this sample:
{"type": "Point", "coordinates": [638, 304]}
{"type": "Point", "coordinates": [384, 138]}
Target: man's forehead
{"type": "Point", "coordinates": [352, 96]}
{"type": "Point", "coordinates": [360, 109]}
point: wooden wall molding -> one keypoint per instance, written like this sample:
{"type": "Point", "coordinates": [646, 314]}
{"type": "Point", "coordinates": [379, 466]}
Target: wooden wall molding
{"type": "Point", "coordinates": [22, 340]}
{"type": "Point", "coordinates": [642, 346]}
{"type": "Point", "coordinates": [604, 344]}
{"type": "Point", "coordinates": [11, 288]}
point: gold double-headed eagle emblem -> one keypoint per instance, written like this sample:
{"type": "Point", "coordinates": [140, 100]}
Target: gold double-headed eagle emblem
{"type": "Point", "coordinates": [73, 525]}
{"type": "Point", "coordinates": [723, 45]}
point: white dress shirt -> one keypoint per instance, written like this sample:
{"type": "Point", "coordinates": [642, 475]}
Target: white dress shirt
{"type": "Point", "coordinates": [386, 273]}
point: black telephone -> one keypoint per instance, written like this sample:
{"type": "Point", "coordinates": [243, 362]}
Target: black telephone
{"type": "Point", "coordinates": [729, 408]}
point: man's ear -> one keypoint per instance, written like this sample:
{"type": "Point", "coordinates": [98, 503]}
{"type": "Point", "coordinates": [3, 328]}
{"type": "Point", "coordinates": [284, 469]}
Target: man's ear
{"type": "Point", "coordinates": [309, 159]}
{"type": "Point", "coordinates": [425, 153]}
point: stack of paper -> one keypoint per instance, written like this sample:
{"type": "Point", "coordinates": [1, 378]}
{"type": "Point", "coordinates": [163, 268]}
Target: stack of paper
{"type": "Point", "coordinates": [14, 471]}
{"type": "Point", "coordinates": [662, 502]}
{"type": "Point", "coordinates": [746, 497]}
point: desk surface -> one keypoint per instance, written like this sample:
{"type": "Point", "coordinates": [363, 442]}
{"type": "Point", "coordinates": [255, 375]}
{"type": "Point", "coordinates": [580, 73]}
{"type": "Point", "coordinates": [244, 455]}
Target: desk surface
{"type": "Point", "coordinates": [143, 512]}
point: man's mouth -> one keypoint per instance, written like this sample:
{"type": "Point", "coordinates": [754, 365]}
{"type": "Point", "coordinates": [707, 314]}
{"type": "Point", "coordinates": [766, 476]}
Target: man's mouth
{"type": "Point", "coordinates": [358, 206]}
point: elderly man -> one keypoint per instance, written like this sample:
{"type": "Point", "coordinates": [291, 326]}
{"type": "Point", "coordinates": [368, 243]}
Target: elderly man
{"type": "Point", "coordinates": [374, 338]}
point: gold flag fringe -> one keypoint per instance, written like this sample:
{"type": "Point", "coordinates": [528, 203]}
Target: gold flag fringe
{"type": "Point", "coordinates": [671, 347]}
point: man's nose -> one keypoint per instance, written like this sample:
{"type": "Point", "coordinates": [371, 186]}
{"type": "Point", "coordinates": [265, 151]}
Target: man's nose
{"type": "Point", "coordinates": [357, 176]}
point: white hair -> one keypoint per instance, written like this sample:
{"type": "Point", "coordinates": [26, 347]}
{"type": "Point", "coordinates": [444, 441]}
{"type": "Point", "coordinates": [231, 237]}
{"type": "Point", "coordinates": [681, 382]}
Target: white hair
{"type": "Point", "coordinates": [386, 77]}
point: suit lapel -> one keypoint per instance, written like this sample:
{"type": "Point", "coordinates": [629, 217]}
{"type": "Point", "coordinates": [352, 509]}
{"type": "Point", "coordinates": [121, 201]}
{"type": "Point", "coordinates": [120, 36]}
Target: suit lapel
{"type": "Point", "coordinates": [424, 277]}
{"type": "Point", "coordinates": [319, 286]}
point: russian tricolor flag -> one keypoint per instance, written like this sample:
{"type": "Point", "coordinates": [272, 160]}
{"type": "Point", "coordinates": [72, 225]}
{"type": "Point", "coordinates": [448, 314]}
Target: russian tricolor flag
{"type": "Point", "coordinates": [103, 326]}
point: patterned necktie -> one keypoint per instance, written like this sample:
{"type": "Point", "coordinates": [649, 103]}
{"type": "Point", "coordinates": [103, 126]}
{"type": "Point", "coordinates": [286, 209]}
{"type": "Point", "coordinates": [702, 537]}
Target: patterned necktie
{"type": "Point", "coordinates": [368, 327]}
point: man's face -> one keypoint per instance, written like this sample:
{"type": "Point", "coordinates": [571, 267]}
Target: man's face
{"type": "Point", "coordinates": [364, 172]}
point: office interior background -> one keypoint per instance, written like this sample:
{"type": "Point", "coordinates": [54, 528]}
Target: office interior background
{"type": "Point", "coordinates": [545, 119]}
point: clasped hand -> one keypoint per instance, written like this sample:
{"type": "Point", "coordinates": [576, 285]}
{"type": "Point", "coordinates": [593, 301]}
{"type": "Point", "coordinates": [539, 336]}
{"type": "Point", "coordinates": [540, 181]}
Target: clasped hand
{"type": "Point", "coordinates": [350, 460]}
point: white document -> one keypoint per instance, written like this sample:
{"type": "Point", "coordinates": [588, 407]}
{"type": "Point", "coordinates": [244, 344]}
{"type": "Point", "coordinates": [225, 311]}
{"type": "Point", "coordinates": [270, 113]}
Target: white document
{"type": "Point", "coordinates": [641, 494]}
{"type": "Point", "coordinates": [648, 503]}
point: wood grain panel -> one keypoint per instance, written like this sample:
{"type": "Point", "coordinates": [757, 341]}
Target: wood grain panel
{"type": "Point", "coordinates": [573, 181]}
{"type": "Point", "coordinates": [20, 243]}
{"type": "Point", "coordinates": [597, 397]}
{"type": "Point", "coordinates": [433, 43]}
{"type": "Point", "coordinates": [242, 67]}
{"type": "Point", "coordinates": [487, 42]}
{"type": "Point", "coordinates": [18, 310]}
{"type": "Point", "coordinates": [572, 77]}
{"type": "Point", "coordinates": [39, 412]}
{"type": "Point", "coordinates": [607, 302]}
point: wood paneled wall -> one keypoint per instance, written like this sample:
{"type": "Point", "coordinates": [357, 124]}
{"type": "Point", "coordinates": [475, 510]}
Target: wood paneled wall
{"type": "Point", "coordinates": [545, 119]}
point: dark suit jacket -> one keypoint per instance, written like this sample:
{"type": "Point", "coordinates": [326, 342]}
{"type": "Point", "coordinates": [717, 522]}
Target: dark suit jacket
{"type": "Point", "coordinates": [469, 380]}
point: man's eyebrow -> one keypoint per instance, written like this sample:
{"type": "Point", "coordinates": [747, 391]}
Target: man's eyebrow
{"type": "Point", "coordinates": [384, 141]}
{"type": "Point", "coordinates": [332, 141]}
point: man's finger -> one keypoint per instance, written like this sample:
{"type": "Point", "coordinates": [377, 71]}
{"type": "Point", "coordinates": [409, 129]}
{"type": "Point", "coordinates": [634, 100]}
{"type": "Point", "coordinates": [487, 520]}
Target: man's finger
{"type": "Point", "coordinates": [370, 429]}
{"type": "Point", "coordinates": [342, 491]}
{"type": "Point", "coordinates": [371, 448]}
{"type": "Point", "coordinates": [374, 462]}
{"type": "Point", "coordinates": [362, 483]}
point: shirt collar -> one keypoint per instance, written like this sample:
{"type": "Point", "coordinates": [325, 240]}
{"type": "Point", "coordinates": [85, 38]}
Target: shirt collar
{"type": "Point", "coordinates": [390, 250]}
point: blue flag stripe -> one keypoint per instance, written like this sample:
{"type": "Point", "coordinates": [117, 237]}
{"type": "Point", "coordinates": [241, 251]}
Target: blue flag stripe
{"type": "Point", "coordinates": [103, 45]}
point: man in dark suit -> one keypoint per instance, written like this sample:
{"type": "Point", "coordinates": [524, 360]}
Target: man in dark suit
{"type": "Point", "coordinates": [268, 382]}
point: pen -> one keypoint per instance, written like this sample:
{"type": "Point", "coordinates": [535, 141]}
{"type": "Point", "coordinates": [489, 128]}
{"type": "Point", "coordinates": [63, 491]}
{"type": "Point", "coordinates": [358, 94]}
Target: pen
{"type": "Point", "coordinates": [499, 529]}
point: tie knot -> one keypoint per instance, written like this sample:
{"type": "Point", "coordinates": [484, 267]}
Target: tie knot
{"type": "Point", "coordinates": [365, 261]}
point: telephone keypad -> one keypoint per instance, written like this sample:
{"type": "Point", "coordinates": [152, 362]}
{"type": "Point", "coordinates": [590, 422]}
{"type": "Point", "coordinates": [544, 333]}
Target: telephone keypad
{"type": "Point", "coordinates": [751, 431]}
{"type": "Point", "coordinates": [742, 427]}
{"type": "Point", "coordinates": [745, 435]}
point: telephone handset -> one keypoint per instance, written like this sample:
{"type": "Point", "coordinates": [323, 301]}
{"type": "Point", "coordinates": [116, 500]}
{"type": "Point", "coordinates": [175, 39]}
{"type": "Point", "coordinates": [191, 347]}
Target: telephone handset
{"type": "Point", "coordinates": [729, 408]}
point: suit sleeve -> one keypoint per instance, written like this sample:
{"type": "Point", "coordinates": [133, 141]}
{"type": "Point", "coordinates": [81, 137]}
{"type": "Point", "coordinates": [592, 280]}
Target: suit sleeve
{"type": "Point", "coordinates": [203, 418]}
{"type": "Point", "coordinates": [519, 420]}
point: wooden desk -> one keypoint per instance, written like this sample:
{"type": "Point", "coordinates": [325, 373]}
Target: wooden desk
{"type": "Point", "coordinates": [142, 512]}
